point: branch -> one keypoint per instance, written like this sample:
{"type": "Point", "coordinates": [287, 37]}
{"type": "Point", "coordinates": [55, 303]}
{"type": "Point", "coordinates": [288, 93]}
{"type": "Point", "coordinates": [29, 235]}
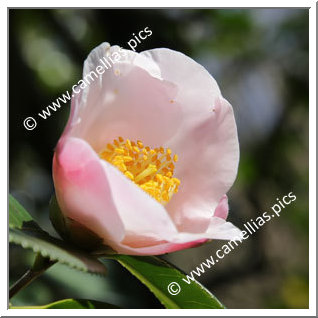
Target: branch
{"type": "Point", "coordinates": [41, 264]}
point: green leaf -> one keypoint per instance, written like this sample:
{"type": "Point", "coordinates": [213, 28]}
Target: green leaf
{"type": "Point", "coordinates": [18, 216]}
{"type": "Point", "coordinates": [157, 275]}
{"type": "Point", "coordinates": [71, 304]}
{"type": "Point", "coordinates": [26, 232]}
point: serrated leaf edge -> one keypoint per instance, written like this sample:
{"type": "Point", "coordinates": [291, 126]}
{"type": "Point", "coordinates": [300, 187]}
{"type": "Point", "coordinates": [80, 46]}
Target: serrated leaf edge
{"type": "Point", "coordinates": [37, 249]}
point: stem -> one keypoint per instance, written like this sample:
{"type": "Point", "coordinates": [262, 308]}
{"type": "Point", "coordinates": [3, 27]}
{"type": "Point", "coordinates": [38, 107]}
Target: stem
{"type": "Point", "coordinates": [41, 264]}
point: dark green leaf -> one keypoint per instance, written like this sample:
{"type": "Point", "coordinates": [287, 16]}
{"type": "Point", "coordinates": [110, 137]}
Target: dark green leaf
{"type": "Point", "coordinates": [157, 274]}
{"type": "Point", "coordinates": [18, 216]}
{"type": "Point", "coordinates": [25, 232]}
{"type": "Point", "coordinates": [71, 304]}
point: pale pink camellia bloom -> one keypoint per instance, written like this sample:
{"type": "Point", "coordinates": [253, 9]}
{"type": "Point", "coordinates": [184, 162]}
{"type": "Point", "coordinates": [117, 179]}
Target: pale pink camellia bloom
{"type": "Point", "coordinates": [187, 134]}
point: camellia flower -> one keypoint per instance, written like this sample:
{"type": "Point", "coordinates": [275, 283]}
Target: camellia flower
{"type": "Point", "coordinates": [149, 151]}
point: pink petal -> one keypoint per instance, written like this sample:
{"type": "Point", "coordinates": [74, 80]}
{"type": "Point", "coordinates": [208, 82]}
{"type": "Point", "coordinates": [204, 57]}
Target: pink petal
{"type": "Point", "coordinates": [222, 210]}
{"type": "Point", "coordinates": [217, 229]}
{"type": "Point", "coordinates": [207, 166]}
{"type": "Point", "coordinates": [206, 142]}
{"type": "Point", "coordinates": [144, 218]}
{"type": "Point", "coordinates": [134, 104]}
{"type": "Point", "coordinates": [197, 89]}
{"type": "Point", "coordinates": [122, 56]}
{"type": "Point", "coordinates": [83, 191]}
{"type": "Point", "coordinates": [158, 249]}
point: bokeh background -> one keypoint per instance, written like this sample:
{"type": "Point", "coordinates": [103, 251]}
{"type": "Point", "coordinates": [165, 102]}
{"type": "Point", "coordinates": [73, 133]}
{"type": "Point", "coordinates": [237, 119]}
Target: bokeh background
{"type": "Point", "coordinates": [259, 57]}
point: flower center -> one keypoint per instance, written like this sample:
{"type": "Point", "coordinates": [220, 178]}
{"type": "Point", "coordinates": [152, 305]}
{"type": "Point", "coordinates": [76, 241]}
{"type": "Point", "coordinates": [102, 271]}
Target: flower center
{"type": "Point", "coordinates": [151, 169]}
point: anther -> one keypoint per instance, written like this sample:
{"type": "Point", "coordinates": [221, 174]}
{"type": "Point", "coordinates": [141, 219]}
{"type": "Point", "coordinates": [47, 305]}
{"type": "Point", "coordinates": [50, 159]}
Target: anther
{"type": "Point", "coordinates": [141, 165]}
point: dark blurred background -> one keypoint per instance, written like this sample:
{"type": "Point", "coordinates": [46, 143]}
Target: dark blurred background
{"type": "Point", "coordinates": [259, 57]}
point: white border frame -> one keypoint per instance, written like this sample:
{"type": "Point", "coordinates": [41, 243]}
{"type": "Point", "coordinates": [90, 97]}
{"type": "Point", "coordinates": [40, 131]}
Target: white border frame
{"type": "Point", "coordinates": [312, 162]}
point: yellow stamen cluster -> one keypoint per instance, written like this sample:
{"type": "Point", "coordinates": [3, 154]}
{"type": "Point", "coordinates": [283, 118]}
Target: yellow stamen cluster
{"type": "Point", "coordinates": [151, 169]}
